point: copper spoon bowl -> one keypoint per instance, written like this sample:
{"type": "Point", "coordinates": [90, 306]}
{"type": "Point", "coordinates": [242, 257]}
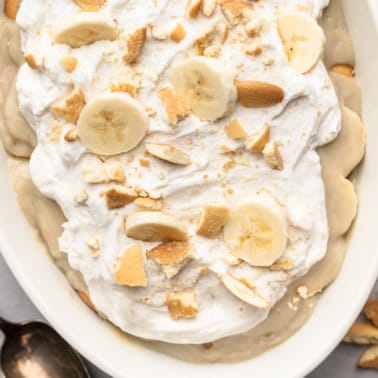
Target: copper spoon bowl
{"type": "Point", "coordinates": [35, 350]}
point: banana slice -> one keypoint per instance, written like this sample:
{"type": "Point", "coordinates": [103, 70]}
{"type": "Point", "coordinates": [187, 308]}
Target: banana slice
{"type": "Point", "coordinates": [168, 153]}
{"type": "Point", "coordinates": [244, 292]}
{"type": "Point", "coordinates": [154, 226]}
{"type": "Point", "coordinates": [112, 123]}
{"type": "Point", "coordinates": [206, 86]}
{"type": "Point", "coordinates": [85, 28]}
{"type": "Point", "coordinates": [256, 230]}
{"type": "Point", "coordinates": [302, 38]}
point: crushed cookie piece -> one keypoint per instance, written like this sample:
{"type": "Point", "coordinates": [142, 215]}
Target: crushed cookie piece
{"type": "Point", "coordinates": [102, 174]}
{"type": "Point", "coordinates": [369, 358]}
{"type": "Point", "coordinates": [226, 149]}
{"type": "Point", "coordinates": [71, 135]}
{"type": "Point", "coordinates": [55, 132]}
{"type": "Point", "coordinates": [175, 107]}
{"type": "Point", "coordinates": [212, 39]}
{"type": "Point", "coordinates": [254, 27]}
{"type": "Point", "coordinates": [182, 304]}
{"type": "Point", "coordinates": [135, 45]}
{"type": "Point", "coordinates": [82, 197]}
{"type": "Point", "coordinates": [236, 10]}
{"type": "Point", "coordinates": [204, 270]}
{"type": "Point", "coordinates": [272, 156]}
{"type": "Point", "coordinates": [292, 304]}
{"type": "Point", "coordinates": [36, 62]}
{"type": "Point", "coordinates": [212, 52]}
{"type": "Point", "coordinates": [70, 107]}
{"type": "Point", "coordinates": [234, 130]}
{"type": "Point", "coordinates": [169, 253]}
{"type": "Point", "coordinates": [90, 5]}
{"type": "Point", "coordinates": [129, 268]}
{"type": "Point", "coordinates": [362, 333]}
{"type": "Point", "coordinates": [94, 245]}
{"type": "Point", "coordinates": [150, 204]}
{"type": "Point", "coordinates": [268, 61]}
{"type": "Point", "coordinates": [242, 158]}
{"type": "Point", "coordinates": [192, 8]}
{"type": "Point", "coordinates": [295, 300]}
{"type": "Point", "coordinates": [302, 292]}
{"type": "Point", "coordinates": [124, 87]}
{"type": "Point", "coordinates": [257, 142]}
{"type": "Point", "coordinates": [239, 66]}
{"type": "Point", "coordinates": [371, 311]}
{"type": "Point", "coordinates": [212, 220]}
{"type": "Point", "coordinates": [119, 196]}
{"type": "Point", "coordinates": [159, 32]}
{"type": "Point", "coordinates": [127, 81]}
{"type": "Point", "coordinates": [130, 158]}
{"type": "Point", "coordinates": [151, 112]}
{"type": "Point", "coordinates": [69, 63]}
{"type": "Point", "coordinates": [171, 256]}
{"type": "Point", "coordinates": [208, 7]}
{"type": "Point", "coordinates": [229, 164]}
{"type": "Point", "coordinates": [254, 50]}
{"type": "Point", "coordinates": [178, 34]}
{"type": "Point", "coordinates": [155, 194]}
{"type": "Point", "coordinates": [141, 192]}
{"type": "Point", "coordinates": [205, 41]}
{"type": "Point", "coordinates": [144, 163]}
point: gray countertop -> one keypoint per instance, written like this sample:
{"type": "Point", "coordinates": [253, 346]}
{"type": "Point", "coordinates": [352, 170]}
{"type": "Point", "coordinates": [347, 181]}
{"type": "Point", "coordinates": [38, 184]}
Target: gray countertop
{"type": "Point", "coordinates": [16, 306]}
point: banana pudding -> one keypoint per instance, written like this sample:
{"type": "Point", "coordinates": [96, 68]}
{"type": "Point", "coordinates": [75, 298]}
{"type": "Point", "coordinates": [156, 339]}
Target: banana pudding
{"type": "Point", "coordinates": [188, 146]}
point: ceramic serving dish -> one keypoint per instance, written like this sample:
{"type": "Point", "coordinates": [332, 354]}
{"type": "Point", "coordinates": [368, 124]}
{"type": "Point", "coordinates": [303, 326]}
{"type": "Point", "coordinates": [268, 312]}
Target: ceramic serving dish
{"type": "Point", "coordinates": [120, 356]}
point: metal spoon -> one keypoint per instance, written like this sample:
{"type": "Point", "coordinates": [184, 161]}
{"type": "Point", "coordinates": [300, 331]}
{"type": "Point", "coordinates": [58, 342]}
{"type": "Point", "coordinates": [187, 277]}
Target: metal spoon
{"type": "Point", "coordinates": [35, 350]}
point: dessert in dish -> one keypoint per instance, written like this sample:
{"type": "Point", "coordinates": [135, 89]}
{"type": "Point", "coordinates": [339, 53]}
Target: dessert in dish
{"type": "Point", "coordinates": [181, 148]}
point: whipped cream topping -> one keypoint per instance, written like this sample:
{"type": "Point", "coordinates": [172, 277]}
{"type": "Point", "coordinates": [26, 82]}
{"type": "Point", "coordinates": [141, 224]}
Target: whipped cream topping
{"type": "Point", "coordinates": [308, 117]}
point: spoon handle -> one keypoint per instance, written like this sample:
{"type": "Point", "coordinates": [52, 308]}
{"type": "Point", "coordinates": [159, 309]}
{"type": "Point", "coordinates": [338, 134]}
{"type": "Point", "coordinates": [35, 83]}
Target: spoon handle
{"type": "Point", "coordinates": [7, 327]}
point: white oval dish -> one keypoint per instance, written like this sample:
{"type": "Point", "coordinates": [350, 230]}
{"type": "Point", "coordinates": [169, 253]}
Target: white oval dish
{"type": "Point", "coordinates": [339, 305]}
